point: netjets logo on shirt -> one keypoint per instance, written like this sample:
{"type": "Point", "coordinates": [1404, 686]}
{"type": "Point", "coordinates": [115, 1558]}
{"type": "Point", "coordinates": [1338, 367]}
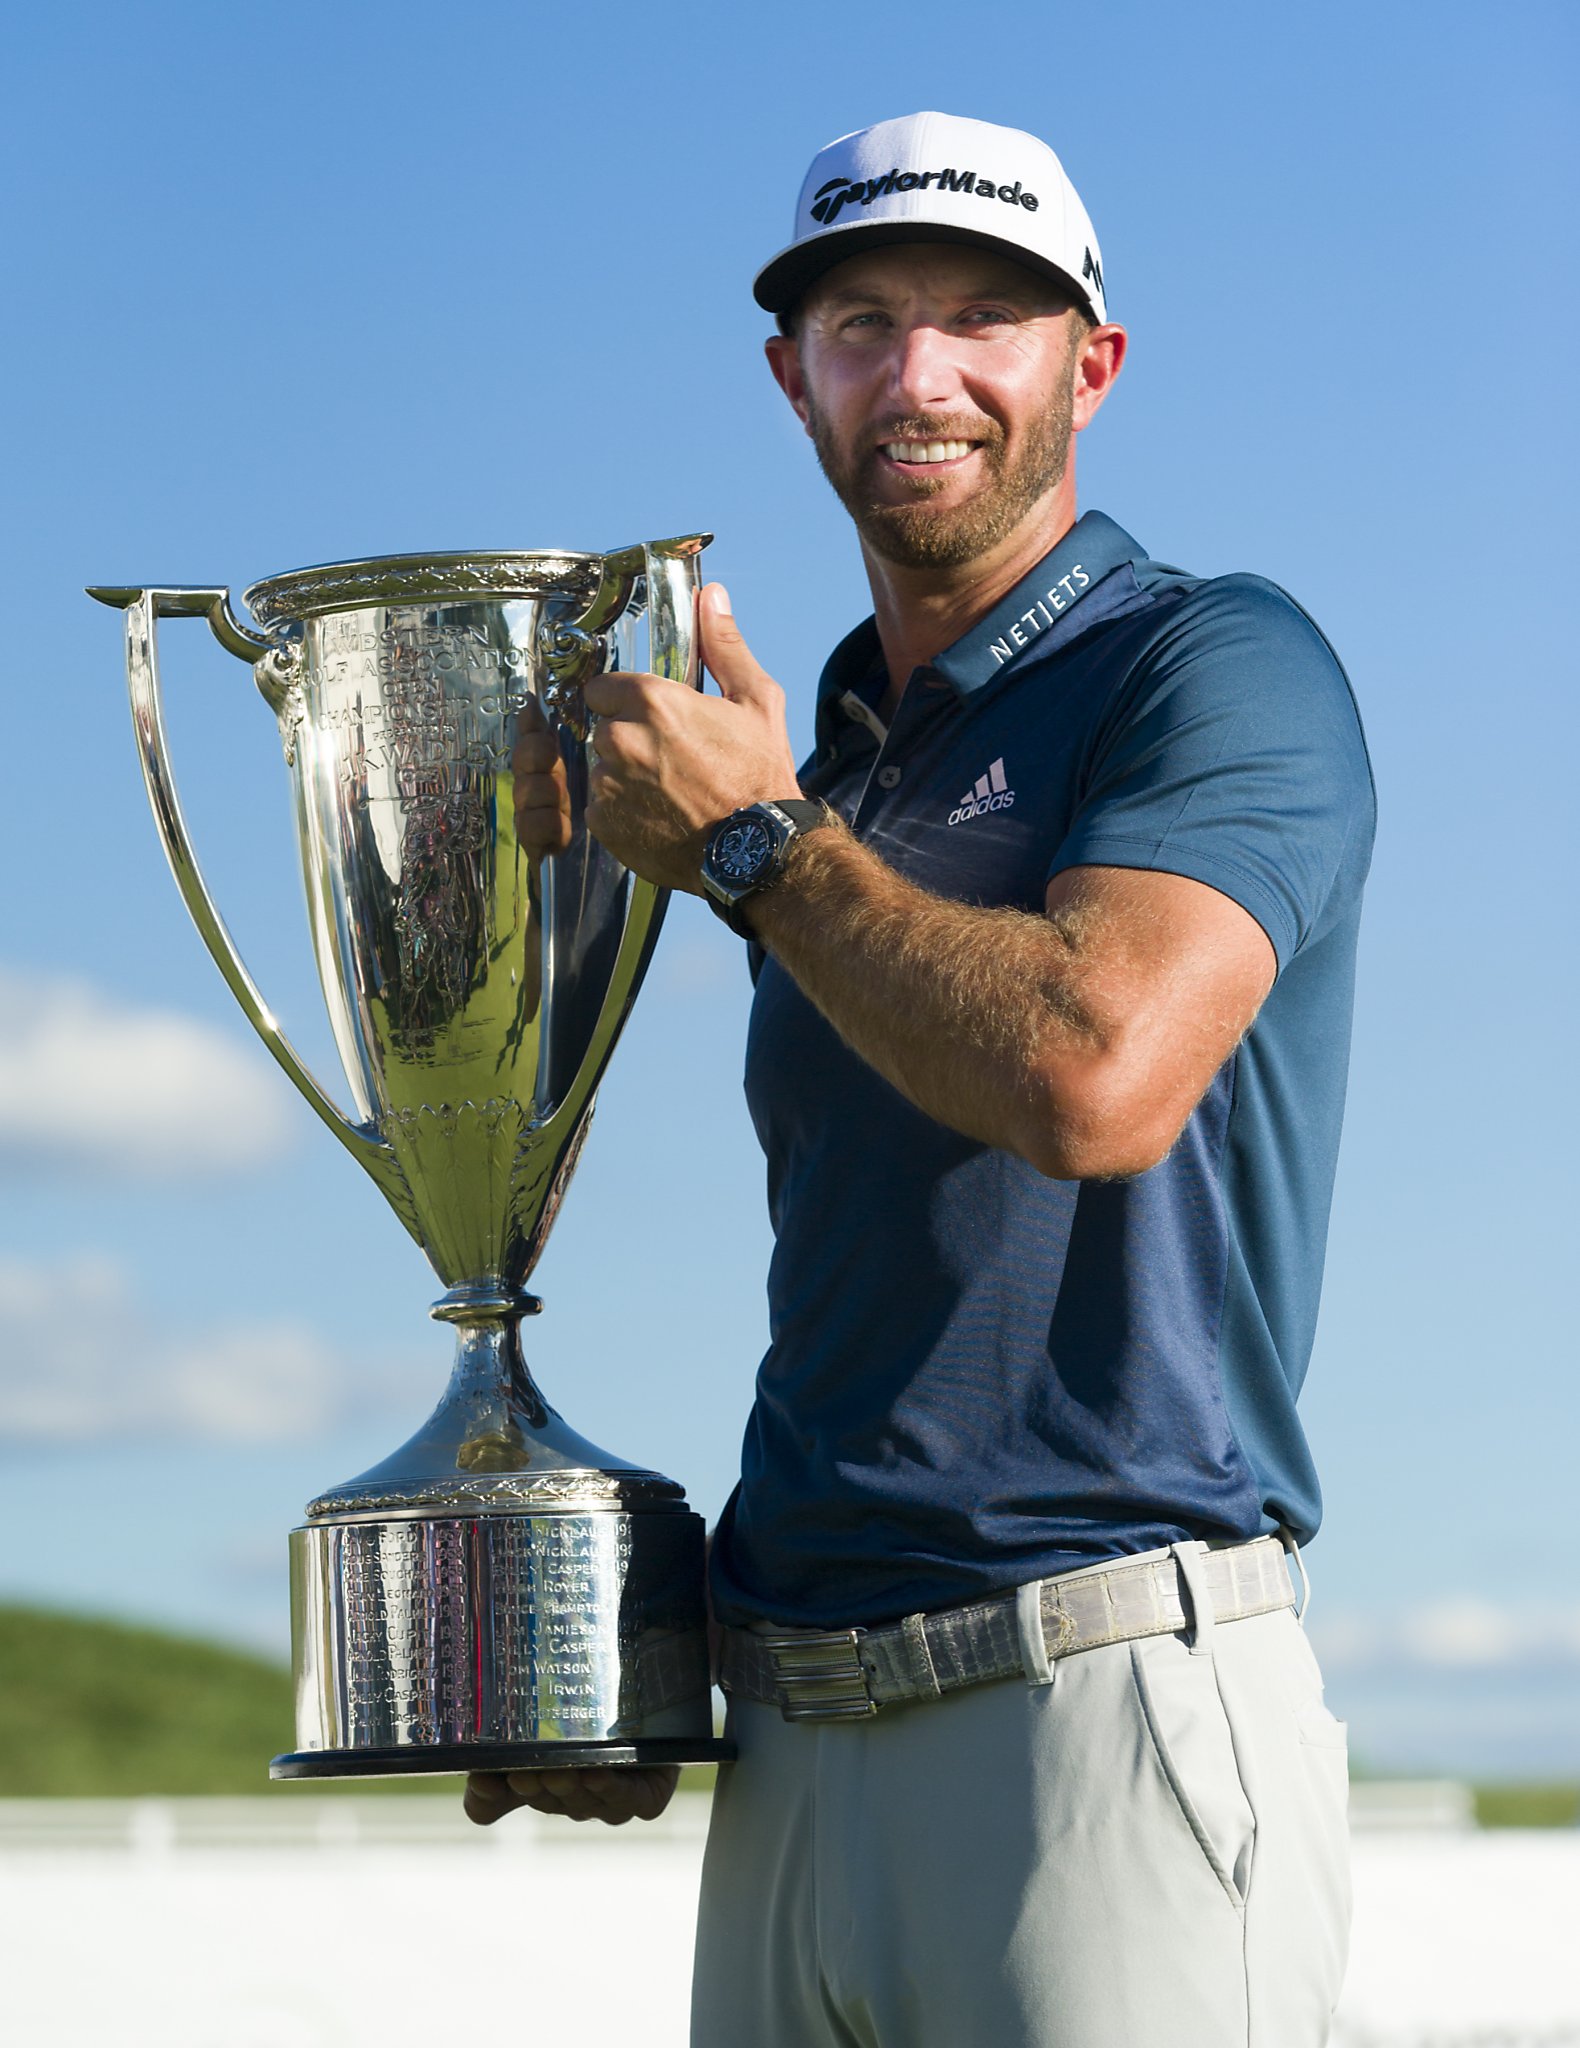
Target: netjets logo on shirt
{"type": "Point", "coordinates": [991, 793]}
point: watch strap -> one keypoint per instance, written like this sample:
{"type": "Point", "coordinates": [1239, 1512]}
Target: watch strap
{"type": "Point", "coordinates": [806, 813]}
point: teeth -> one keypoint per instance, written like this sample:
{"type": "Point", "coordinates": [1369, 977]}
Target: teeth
{"type": "Point", "coordinates": [926, 451]}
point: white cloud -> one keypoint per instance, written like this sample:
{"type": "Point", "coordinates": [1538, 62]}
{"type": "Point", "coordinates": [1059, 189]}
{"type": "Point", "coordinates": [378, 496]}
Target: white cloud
{"type": "Point", "coordinates": [1458, 1634]}
{"type": "Point", "coordinates": [88, 1081]}
{"type": "Point", "coordinates": [82, 1360]}
{"type": "Point", "coordinates": [1465, 1632]}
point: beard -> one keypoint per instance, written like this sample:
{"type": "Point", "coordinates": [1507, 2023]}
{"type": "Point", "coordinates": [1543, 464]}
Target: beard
{"type": "Point", "coordinates": [921, 535]}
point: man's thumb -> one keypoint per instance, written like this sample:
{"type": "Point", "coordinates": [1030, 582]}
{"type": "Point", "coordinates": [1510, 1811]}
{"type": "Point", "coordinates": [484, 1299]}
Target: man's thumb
{"type": "Point", "coordinates": [730, 661]}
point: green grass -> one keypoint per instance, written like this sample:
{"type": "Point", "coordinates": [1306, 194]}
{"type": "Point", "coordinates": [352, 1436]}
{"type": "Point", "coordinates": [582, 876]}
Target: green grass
{"type": "Point", "coordinates": [96, 1709]}
{"type": "Point", "coordinates": [1503, 1803]}
{"type": "Point", "coordinates": [1528, 1805]}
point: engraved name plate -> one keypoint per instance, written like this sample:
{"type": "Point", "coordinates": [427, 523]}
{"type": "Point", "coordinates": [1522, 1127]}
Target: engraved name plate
{"type": "Point", "coordinates": [503, 1628]}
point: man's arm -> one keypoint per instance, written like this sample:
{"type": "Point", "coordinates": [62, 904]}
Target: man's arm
{"type": "Point", "coordinates": [612, 1793]}
{"type": "Point", "coordinates": [1080, 1039]}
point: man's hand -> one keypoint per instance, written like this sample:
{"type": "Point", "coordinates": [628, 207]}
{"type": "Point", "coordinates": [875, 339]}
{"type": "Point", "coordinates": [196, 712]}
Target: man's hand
{"type": "Point", "coordinates": [612, 1793]}
{"type": "Point", "coordinates": [670, 763]}
{"type": "Point", "coordinates": [542, 795]}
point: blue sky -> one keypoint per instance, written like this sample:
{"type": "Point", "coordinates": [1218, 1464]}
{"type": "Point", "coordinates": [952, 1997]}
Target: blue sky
{"type": "Point", "coordinates": [293, 284]}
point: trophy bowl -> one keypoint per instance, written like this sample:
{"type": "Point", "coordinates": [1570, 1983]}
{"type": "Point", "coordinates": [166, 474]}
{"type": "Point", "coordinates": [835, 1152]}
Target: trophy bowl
{"type": "Point", "coordinates": [499, 1593]}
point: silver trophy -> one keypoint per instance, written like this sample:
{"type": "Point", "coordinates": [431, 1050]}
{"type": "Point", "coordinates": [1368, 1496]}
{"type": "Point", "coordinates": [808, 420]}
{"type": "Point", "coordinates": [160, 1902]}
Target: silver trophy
{"type": "Point", "coordinates": [499, 1593]}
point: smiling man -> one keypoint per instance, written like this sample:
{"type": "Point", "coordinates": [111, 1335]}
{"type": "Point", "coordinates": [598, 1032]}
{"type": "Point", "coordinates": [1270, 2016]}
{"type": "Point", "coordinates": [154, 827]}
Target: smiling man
{"type": "Point", "coordinates": [1054, 940]}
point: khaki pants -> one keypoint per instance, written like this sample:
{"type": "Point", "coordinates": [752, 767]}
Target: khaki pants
{"type": "Point", "coordinates": [1150, 1852]}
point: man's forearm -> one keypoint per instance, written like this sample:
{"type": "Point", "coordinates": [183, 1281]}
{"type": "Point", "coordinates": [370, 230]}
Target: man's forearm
{"type": "Point", "coordinates": [1080, 1034]}
{"type": "Point", "coordinates": [978, 1016]}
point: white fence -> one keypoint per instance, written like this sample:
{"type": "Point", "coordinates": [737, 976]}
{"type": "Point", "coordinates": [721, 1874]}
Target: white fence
{"type": "Point", "coordinates": [307, 1921]}
{"type": "Point", "coordinates": [305, 1820]}
{"type": "Point", "coordinates": [301, 1821]}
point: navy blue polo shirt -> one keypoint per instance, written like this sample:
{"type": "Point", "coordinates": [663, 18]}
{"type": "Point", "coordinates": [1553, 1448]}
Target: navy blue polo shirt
{"type": "Point", "coordinates": [979, 1376]}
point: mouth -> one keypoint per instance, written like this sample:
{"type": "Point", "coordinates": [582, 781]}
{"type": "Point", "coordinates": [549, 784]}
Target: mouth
{"type": "Point", "coordinates": [926, 454]}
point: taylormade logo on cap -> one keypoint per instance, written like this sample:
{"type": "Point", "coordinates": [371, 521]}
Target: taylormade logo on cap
{"type": "Point", "coordinates": [840, 192]}
{"type": "Point", "coordinates": [895, 181]}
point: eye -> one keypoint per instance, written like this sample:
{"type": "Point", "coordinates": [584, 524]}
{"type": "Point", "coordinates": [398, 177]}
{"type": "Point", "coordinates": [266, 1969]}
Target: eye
{"type": "Point", "coordinates": [987, 316]}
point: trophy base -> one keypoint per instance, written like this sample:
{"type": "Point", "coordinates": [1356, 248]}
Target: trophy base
{"type": "Point", "coordinates": [447, 1758]}
{"type": "Point", "coordinates": [546, 1636]}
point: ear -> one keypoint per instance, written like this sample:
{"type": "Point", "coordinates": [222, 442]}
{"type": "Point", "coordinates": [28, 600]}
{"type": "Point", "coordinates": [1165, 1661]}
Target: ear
{"type": "Point", "coordinates": [784, 359]}
{"type": "Point", "coordinates": [1099, 363]}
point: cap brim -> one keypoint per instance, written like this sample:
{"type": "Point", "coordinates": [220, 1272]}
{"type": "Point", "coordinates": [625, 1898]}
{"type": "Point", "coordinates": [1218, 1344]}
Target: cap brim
{"type": "Point", "coordinates": [785, 277]}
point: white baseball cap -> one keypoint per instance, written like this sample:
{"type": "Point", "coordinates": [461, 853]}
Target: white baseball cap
{"type": "Point", "coordinates": [937, 178]}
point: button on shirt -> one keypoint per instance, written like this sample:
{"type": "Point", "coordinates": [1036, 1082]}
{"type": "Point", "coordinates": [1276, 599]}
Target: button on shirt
{"type": "Point", "coordinates": [978, 1376]}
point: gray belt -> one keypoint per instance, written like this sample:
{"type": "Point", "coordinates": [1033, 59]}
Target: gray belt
{"type": "Point", "coordinates": [846, 1673]}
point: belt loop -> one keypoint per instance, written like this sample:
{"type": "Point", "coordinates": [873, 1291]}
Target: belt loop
{"type": "Point", "coordinates": [1034, 1659]}
{"type": "Point", "coordinates": [1292, 1549]}
{"type": "Point", "coordinates": [923, 1671]}
{"type": "Point", "coordinates": [1192, 1561]}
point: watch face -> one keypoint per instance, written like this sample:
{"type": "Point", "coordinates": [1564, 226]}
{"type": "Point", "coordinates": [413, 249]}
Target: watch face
{"type": "Point", "coordinates": [741, 851]}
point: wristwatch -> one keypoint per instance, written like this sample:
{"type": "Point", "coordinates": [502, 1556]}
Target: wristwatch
{"type": "Point", "coordinates": [748, 851]}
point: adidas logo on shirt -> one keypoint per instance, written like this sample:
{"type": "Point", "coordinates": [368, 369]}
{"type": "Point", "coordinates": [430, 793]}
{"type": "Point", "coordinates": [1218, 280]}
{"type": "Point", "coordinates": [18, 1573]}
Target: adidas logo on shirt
{"type": "Point", "coordinates": [992, 793]}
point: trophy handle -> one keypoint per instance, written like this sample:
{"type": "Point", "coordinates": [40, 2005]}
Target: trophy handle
{"type": "Point", "coordinates": [672, 607]}
{"type": "Point", "coordinates": [272, 668]}
{"type": "Point", "coordinates": [574, 649]}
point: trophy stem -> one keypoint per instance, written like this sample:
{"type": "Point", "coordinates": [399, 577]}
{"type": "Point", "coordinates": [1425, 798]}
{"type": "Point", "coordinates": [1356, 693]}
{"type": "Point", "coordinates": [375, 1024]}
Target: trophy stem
{"type": "Point", "coordinates": [485, 1303]}
{"type": "Point", "coordinates": [494, 1442]}
{"type": "Point", "coordinates": [490, 1384]}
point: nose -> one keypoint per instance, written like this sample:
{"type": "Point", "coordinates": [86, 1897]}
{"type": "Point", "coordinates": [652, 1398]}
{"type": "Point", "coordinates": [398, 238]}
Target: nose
{"type": "Point", "coordinates": [925, 373]}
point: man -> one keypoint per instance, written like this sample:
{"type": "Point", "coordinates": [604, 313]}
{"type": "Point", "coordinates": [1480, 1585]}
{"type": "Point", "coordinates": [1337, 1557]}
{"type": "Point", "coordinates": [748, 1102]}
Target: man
{"type": "Point", "coordinates": [1055, 939]}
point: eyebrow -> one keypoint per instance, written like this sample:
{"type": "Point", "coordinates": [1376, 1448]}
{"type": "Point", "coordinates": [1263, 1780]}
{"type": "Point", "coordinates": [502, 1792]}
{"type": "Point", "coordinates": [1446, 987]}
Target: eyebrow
{"type": "Point", "coordinates": [855, 295]}
{"type": "Point", "coordinates": [1008, 289]}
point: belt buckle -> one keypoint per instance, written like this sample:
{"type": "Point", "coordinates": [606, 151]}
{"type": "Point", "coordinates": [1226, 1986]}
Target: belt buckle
{"type": "Point", "coordinates": [820, 1677]}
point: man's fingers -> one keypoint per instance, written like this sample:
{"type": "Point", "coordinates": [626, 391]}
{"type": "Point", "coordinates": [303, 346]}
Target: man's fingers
{"type": "Point", "coordinates": [613, 1794]}
{"type": "Point", "coordinates": [554, 1782]}
{"type": "Point", "coordinates": [535, 754]}
{"type": "Point", "coordinates": [652, 1790]}
{"type": "Point", "coordinates": [542, 833]}
{"type": "Point", "coordinates": [624, 694]}
{"type": "Point", "coordinates": [630, 1792]}
{"type": "Point", "coordinates": [542, 801]}
{"type": "Point", "coordinates": [731, 663]}
{"type": "Point", "coordinates": [541, 793]}
{"type": "Point", "coordinates": [486, 1797]}
{"type": "Point", "coordinates": [594, 1794]}
{"type": "Point", "coordinates": [489, 1794]}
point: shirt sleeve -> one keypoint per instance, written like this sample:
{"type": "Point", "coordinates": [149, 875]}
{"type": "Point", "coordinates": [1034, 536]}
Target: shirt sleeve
{"type": "Point", "coordinates": [1232, 754]}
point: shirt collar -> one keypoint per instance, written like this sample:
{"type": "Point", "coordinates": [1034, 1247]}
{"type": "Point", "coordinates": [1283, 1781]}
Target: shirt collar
{"type": "Point", "coordinates": [1041, 601]}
